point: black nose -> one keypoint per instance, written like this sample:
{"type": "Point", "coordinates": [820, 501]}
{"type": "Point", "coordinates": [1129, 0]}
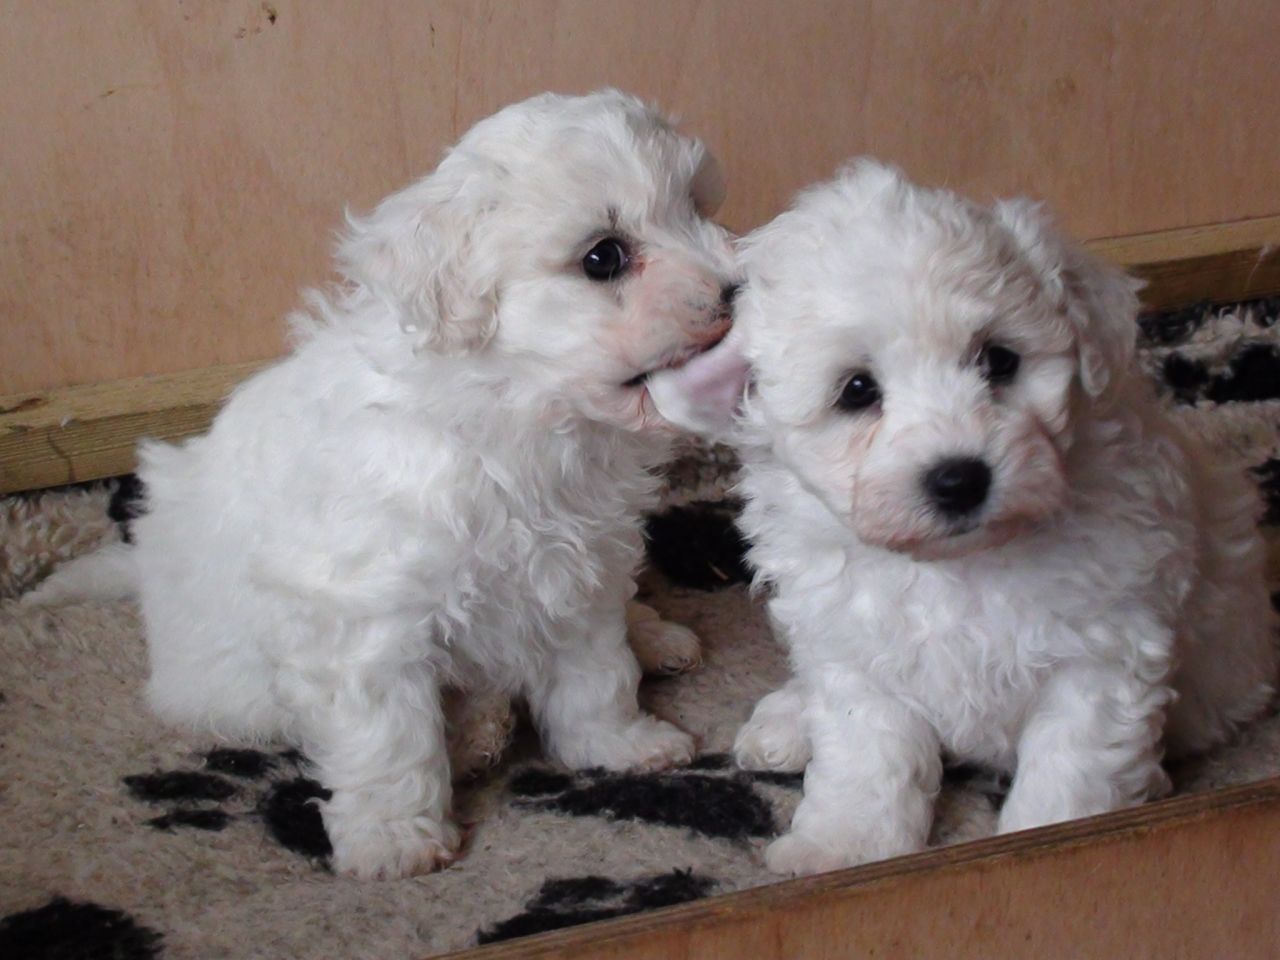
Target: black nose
{"type": "Point", "coordinates": [729, 292]}
{"type": "Point", "coordinates": [958, 486]}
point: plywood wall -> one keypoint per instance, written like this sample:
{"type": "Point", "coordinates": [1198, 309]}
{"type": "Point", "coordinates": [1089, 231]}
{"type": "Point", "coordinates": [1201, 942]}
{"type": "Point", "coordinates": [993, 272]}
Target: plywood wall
{"type": "Point", "coordinates": [171, 172]}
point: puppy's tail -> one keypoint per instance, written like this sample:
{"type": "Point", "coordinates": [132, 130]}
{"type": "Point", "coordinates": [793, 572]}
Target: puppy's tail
{"type": "Point", "coordinates": [107, 574]}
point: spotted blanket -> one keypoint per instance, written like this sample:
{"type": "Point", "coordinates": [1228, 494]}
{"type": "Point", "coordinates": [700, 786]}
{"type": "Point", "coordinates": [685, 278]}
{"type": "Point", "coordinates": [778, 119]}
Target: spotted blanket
{"type": "Point", "coordinates": [121, 837]}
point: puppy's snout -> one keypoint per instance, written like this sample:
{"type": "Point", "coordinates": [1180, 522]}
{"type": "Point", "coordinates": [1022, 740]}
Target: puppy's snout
{"type": "Point", "coordinates": [959, 485]}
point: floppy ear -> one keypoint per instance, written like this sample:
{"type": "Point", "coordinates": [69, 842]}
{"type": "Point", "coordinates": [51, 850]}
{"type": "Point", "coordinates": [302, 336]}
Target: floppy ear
{"type": "Point", "coordinates": [1100, 300]}
{"type": "Point", "coordinates": [420, 251]}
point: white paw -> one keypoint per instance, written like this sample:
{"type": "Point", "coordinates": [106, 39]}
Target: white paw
{"type": "Point", "coordinates": [661, 646]}
{"type": "Point", "coordinates": [799, 855]}
{"type": "Point", "coordinates": [653, 744]}
{"type": "Point", "coordinates": [770, 743]}
{"type": "Point", "coordinates": [645, 744]}
{"type": "Point", "coordinates": [795, 855]}
{"type": "Point", "coordinates": [370, 849]}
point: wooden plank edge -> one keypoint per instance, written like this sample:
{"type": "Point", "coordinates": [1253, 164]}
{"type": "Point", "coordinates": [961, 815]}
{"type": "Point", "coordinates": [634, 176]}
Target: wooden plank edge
{"type": "Point", "coordinates": [73, 434]}
{"type": "Point", "coordinates": [88, 432]}
{"type": "Point", "coordinates": [1217, 263]}
{"type": "Point", "coordinates": [841, 890]}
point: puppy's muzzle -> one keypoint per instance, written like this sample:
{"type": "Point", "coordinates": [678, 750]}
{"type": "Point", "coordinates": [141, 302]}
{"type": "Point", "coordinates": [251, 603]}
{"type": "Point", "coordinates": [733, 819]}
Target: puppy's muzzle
{"type": "Point", "coordinates": [713, 326]}
{"type": "Point", "coordinates": [957, 486]}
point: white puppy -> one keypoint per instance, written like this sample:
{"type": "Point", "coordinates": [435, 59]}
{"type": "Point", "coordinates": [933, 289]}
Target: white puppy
{"type": "Point", "coordinates": [443, 482]}
{"type": "Point", "coordinates": [983, 536]}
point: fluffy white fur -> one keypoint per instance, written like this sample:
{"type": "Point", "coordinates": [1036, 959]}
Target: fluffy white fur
{"type": "Point", "coordinates": [1104, 602]}
{"type": "Point", "coordinates": [443, 483]}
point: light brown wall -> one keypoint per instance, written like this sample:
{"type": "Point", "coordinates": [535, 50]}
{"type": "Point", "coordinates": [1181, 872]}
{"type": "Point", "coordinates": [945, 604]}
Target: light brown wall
{"type": "Point", "coordinates": [171, 172]}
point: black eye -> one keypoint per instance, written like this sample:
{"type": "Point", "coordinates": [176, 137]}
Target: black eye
{"type": "Point", "coordinates": [607, 260]}
{"type": "Point", "coordinates": [860, 391]}
{"type": "Point", "coordinates": [999, 364]}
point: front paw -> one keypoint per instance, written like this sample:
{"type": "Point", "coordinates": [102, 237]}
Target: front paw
{"type": "Point", "coordinates": [652, 744]}
{"type": "Point", "coordinates": [646, 744]}
{"type": "Point", "coordinates": [368, 848]}
{"type": "Point", "coordinates": [764, 743]}
{"type": "Point", "coordinates": [661, 646]}
{"type": "Point", "coordinates": [800, 854]}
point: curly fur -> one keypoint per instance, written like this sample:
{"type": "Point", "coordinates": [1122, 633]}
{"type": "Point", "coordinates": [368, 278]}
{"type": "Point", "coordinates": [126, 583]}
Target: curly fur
{"type": "Point", "coordinates": [1103, 603]}
{"type": "Point", "coordinates": [442, 484]}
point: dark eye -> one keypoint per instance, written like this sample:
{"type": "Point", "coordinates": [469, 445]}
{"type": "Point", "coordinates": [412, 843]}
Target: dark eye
{"type": "Point", "coordinates": [999, 364]}
{"type": "Point", "coordinates": [607, 260]}
{"type": "Point", "coordinates": [860, 391]}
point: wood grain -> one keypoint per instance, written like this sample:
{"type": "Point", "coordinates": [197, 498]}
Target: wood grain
{"type": "Point", "coordinates": [1221, 263]}
{"type": "Point", "coordinates": [1194, 877]}
{"type": "Point", "coordinates": [173, 172]}
{"type": "Point", "coordinates": [83, 433]}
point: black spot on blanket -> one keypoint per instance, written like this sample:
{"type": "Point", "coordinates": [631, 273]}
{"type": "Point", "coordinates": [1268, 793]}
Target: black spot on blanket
{"type": "Point", "coordinates": [165, 785]}
{"type": "Point", "coordinates": [724, 807]}
{"type": "Point", "coordinates": [293, 819]}
{"type": "Point", "coordinates": [1254, 374]}
{"type": "Point", "coordinates": [569, 902]}
{"type": "Point", "coordinates": [1268, 475]}
{"type": "Point", "coordinates": [199, 819]}
{"type": "Point", "coordinates": [249, 764]}
{"type": "Point", "coordinates": [127, 502]}
{"type": "Point", "coordinates": [698, 545]}
{"type": "Point", "coordinates": [63, 930]}
{"type": "Point", "coordinates": [1173, 326]}
{"type": "Point", "coordinates": [283, 800]}
{"type": "Point", "coordinates": [1185, 377]}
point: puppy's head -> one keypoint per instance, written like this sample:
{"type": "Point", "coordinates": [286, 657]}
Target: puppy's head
{"type": "Point", "coordinates": [563, 243]}
{"type": "Point", "coordinates": [920, 360]}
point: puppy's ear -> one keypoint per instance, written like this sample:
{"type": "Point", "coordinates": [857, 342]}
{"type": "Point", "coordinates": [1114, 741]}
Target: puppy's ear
{"type": "Point", "coordinates": [1100, 299]}
{"type": "Point", "coordinates": [707, 186]}
{"type": "Point", "coordinates": [420, 251]}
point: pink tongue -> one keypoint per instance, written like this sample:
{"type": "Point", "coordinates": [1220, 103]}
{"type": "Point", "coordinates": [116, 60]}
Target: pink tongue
{"type": "Point", "coordinates": [704, 394]}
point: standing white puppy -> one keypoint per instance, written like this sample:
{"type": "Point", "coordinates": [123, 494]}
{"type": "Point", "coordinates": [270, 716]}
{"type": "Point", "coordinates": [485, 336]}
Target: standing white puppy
{"type": "Point", "coordinates": [984, 537]}
{"type": "Point", "coordinates": [443, 483]}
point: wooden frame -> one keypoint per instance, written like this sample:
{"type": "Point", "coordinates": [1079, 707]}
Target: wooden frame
{"type": "Point", "coordinates": [1193, 877]}
{"type": "Point", "coordinates": [85, 433]}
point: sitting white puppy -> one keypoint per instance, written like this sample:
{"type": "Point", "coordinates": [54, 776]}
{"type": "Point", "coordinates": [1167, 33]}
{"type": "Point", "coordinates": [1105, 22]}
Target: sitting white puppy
{"type": "Point", "coordinates": [443, 483]}
{"type": "Point", "coordinates": [983, 536]}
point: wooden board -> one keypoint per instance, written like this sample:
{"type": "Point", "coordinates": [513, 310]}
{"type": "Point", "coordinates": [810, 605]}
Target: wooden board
{"type": "Point", "coordinates": [1221, 263]}
{"type": "Point", "coordinates": [173, 172]}
{"type": "Point", "coordinates": [83, 433]}
{"type": "Point", "coordinates": [1195, 878]}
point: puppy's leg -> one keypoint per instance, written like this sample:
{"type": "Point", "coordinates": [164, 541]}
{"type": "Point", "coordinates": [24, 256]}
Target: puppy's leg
{"type": "Point", "coordinates": [585, 703]}
{"type": "Point", "coordinates": [378, 742]}
{"type": "Point", "coordinates": [1090, 745]}
{"type": "Point", "coordinates": [480, 723]}
{"type": "Point", "coordinates": [660, 645]}
{"type": "Point", "coordinates": [775, 737]}
{"type": "Point", "coordinates": [869, 789]}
